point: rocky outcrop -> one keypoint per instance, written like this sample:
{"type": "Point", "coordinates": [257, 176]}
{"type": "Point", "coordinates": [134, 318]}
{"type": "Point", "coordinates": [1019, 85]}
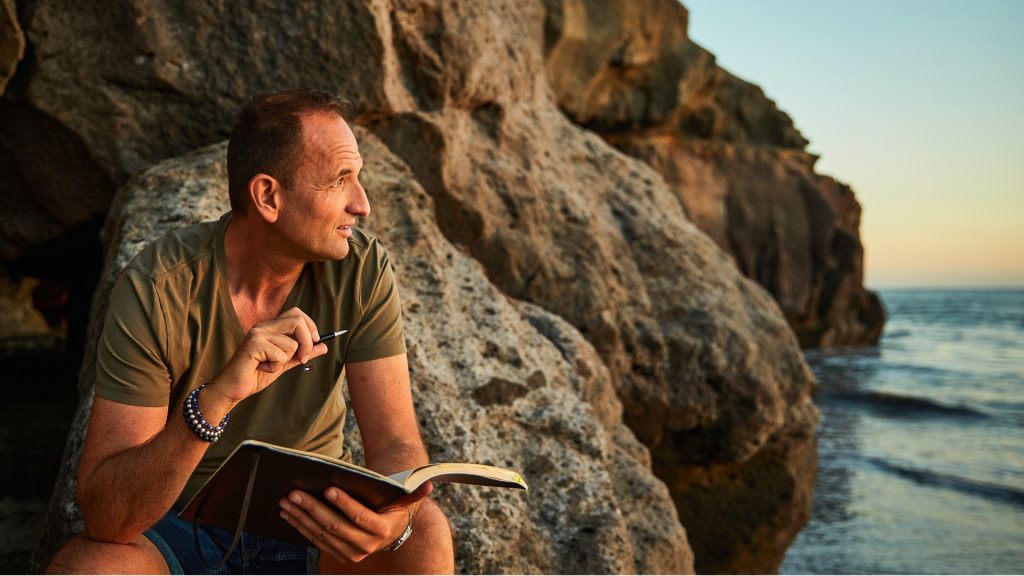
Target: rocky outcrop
{"type": "Point", "coordinates": [793, 231]}
{"type": "Point", "coordinates": [707, 369]}
{"type": "Point", "coordinates": [621, 67]}
{"type": "Point", "coordinates": [17, 315]}
{"type": "Point", "coordinates": [593, 246]}
{"type": "Point", "coordinates": [628, 71]}
{"type": "Point", "coordinates": [532, 394]}
{"type": "Point", "coordinates": [12, 42]}
{"type": "Point", "coordinates": [50, 184]}
{"type": "Point", "coordinates": [94, 108]}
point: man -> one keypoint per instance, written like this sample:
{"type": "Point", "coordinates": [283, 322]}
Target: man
{"type": "Point", "coordinates": [219, 315]}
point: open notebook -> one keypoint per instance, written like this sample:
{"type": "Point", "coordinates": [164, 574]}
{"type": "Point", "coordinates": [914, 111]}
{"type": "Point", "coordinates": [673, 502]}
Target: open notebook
{"type": "Point", "coordinates": [243, 494]}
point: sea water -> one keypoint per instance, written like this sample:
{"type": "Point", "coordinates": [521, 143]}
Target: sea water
{"type": "Point", "coordinates": [921, 442]}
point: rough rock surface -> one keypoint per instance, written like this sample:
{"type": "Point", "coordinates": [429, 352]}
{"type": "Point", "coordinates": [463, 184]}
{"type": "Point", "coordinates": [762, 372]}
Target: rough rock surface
{"type": "Point", "coordinates": [532, 394]}
{"type": "Point", "coordinates": [48, 182]}
{"type": "Point", "coordinates": [12, 42]}
{"type": "Point", "coordinates": [16, 534]}
{"type": "Point", "coordinates": [793, 231]}
{"type": "Point", "coordinates": [628, 71]}
{"type": "Point", "coordinates": [17, 315]}
{"type": "Point", "coordinates": [621, 66]}
{"type": "Point", "coordinates": [704, 362]}
{"type": "Point", "coordinates": [707, 369]}
{"type": "Point", "coordinates": [709, 374]}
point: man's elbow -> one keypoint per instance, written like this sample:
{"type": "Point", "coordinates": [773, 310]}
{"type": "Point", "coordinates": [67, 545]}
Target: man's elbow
{"type": "Point", "coordinates": [100, 525]}
{"type": "Point", "coordinates": [100, 529]}
{"type": "Point", "coordinates": [110, 537]}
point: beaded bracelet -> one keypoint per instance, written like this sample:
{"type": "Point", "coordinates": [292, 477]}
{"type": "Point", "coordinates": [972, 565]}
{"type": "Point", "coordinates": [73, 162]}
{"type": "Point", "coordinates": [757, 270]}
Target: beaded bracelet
{"type": "Point", "coordinates": [197, 423]}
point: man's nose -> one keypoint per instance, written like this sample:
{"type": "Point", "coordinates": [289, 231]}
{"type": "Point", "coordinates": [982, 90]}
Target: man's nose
{"type": "Point", "coordinates": [359, 204]}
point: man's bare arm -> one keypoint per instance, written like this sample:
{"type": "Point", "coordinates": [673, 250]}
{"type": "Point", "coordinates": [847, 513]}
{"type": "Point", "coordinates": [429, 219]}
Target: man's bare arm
{"type": "Point", "coordinates": [135, 463]}
{"type": "Point", "coordinates": [136, 460]}
{"type": "Point", "coordinates": [382, 400]}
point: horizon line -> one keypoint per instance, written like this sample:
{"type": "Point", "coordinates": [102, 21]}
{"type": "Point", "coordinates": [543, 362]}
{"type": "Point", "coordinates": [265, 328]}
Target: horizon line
{"type": "Point", "coordinates": [1005, 288]}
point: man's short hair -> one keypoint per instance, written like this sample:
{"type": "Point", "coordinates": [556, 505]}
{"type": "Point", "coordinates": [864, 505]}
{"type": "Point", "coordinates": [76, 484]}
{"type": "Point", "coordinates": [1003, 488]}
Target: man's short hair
{"type": "Point", "coordinates": [267, 138]}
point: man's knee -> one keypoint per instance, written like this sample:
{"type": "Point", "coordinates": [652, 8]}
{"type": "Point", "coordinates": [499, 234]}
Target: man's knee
{"type": "Point", "coordinates": [433, 520]}
{"type": "Point", "coordinates": [432, 526]}
{"type": "Point", "coordinates": [82, 555]}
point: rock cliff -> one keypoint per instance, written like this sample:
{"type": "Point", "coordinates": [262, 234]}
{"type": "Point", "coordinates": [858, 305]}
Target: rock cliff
{"type": "Point", "coordinates": [628, 71]}
{"type": "Point", "coordinates": [510, 215]}
{"type": "Point", "coordinates": [12, 42]}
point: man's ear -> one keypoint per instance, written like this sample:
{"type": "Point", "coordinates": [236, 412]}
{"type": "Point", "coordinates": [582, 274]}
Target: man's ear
{"type": "Point", "coordinates": [265, 194]}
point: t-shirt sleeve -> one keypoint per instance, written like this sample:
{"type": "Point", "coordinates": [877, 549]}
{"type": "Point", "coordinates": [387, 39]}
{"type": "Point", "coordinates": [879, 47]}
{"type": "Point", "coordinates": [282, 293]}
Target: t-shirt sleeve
{"type": "Point", "coordinates": [379, 333]}
{"type": "Point", "coordinates": [131, 365]}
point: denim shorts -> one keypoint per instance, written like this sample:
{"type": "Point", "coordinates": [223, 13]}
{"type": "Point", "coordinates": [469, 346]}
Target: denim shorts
{"type": "Point", "coordinates": [254, 554]}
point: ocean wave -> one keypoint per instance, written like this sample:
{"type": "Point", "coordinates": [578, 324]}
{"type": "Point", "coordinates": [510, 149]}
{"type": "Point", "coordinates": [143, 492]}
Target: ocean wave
{"type": "Point", "coordinates": [892, 404]}
{"type": "Point", "coordinates": [934, 370]}
{"type": "Point", "coordinates": [1003, 494]}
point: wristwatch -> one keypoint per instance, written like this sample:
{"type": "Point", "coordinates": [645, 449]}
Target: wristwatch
{"type": "Point", "coordinates": [405, 535]}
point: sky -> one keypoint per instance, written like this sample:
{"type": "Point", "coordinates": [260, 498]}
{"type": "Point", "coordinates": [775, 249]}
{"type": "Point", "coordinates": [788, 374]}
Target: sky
{"type": "Point", "coordinates": [918, 105]}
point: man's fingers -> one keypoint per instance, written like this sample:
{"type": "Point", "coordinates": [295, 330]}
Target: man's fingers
{"type": "Point", "coordinates": [329, 528]}
{"type": "Point", "coordinates": [293, 324]}
{"type": "Point", "coordinates": [314, 334]}
{"type": "Point", "coordinates": [319, 350]}
{"type": "Point", "coordinates": [362, 517]}
{"type": "Point", "coordinates": [423, 491]}
{"type": "Point", "coordinates": [273, 351]}
{"type": "Point", "coordinates": [298, 521]}
{"type": "Point", "coordinates": [318, 535]}
{"type": "Point", "coordinates": [305, 337]}
{"type": "Point", "coordinates": [299, 326]}
{"type": "Point", "coordinates": [270, 348]}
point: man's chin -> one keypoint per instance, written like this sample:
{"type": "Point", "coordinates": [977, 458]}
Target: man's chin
{"type": "Point", "coordinates": [337, 252]}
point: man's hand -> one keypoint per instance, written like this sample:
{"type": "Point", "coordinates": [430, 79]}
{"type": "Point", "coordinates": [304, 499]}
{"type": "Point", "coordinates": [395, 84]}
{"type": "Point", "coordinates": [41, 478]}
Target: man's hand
{"type": "Point", "coordinates": [268, 350]}
{"type": "Point", "coordinates": [348, 531]}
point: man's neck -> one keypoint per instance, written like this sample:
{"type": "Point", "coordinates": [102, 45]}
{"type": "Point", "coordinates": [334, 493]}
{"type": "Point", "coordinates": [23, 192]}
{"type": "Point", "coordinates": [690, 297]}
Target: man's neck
{"type": "Point", "coordinates": [257, 270]}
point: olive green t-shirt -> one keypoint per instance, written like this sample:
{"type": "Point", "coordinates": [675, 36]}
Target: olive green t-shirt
{"type": "Point", "coordinates": [171, 327]}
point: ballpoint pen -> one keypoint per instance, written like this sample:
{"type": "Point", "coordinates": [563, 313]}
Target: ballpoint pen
{"type": "Point", "coordinates": [325, 338]}
{"type": "Point", "coordinates": [330, 336]}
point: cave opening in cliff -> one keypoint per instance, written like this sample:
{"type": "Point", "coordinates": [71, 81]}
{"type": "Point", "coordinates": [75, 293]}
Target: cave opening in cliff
{"type": "Point", "coordinates": [48, 291]}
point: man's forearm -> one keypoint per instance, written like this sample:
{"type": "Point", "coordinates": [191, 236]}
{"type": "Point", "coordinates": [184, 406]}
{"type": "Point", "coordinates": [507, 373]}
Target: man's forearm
{"type": "Point", "coordinates": [129, 491]}
{"type": "Point", "coordinates": [399, 456]}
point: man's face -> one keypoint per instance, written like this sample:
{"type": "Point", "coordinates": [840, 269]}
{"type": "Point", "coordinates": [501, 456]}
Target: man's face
{"type": "Point", "coordinates": [318, 212]}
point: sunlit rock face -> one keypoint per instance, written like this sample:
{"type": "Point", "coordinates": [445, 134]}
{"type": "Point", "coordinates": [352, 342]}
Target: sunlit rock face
{"type": "Point", "coordinates": [561, 284]}
{"type": "Point", "coordinates": [628, 71]}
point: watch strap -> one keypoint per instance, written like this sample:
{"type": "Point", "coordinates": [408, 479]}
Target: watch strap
{"type": "Point", "coordinates": [405, 535]}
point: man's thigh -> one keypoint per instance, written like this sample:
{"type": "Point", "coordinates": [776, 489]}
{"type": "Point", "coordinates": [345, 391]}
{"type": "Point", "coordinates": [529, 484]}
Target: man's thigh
{"type": "Point", "coordinates": [199, 549]}
{"type": "Point", "coordinates": [428, 551]}
{"type": "Point", "coordinates": [84, 556]}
